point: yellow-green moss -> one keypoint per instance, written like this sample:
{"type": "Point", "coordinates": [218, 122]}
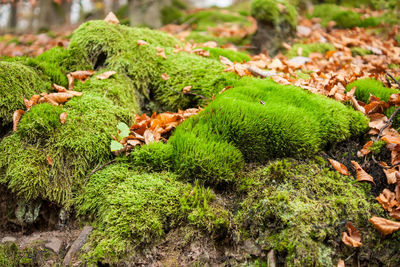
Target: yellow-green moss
{"type": "Point", "coordinates": [365, 87]}
{"type": "Point", "coordinates": [300, 209]}
{"type": "Point", "coordinates": [268, 11]}
{"type": "Point", "coordinates": [309, 48]}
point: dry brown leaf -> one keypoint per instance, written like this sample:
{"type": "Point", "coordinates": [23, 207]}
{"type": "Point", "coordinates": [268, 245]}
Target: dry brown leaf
{"type": "Point", "coordinates": [362, 175]}
{"type": "Point", "coordinates": [357, 105]}
{"type": "Point", "coordinates": [141, 42]}
{"type": "Point", "coordinates": [105, 75]}
{"type": "Point", "coordinates": [165, 76]}
{"type": "Point", "coordinates": [391, 175]}
{"type": "Point", "coordinates": [148, 136]}
{"type": "Point", "coordinates": [82, 75]}
{"type": "Point", "coordinates": [387, 199]}
{"type": "Point", "coordinates": [111, 18]}
{"type": "Point", "coordinates": [339, 167]}
{"type": "Point", "coordinates": [385, 226]}
{"type": "Point", "coordinates": [353, 237]}
{"type": "Point", "coordinates": [341, 263]}
{"type": "Point", "coordinates": [49, 160]}
{"type": "Point", "coordinates": [63, 117]}
{"type": "Point", "coordinates": [31, 102]}
{"type": "Point", "coordinates": [377, 120]}
{"type": "Point", "coordinates": [365, 150]}
{"type": "Point", "coordinates": [394, 99]}
{"type": "Point", "coordinates": [161, 52]}
{"type": "Point", "coordinates": [187, 89]}
{"type": "Point", "coordinates": [389, 139]}
{"type": "Point", "coordinates": [58, 88]}
{"type": "Point", "coordinates": [70, 81]}
{"type": "Point", "coordinates": [16, 118]}
{"type": "Point", "coordinates": [395, 214]}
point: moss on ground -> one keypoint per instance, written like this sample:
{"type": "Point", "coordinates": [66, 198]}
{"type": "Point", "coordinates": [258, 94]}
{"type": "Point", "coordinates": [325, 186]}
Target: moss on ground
{"type": "Point", "coordinates": [12, 255]}
{"type": "Point", "coordinates": [133, 209]}
{"type": "Point", "coordinates": [234, 56]}
{"type": "Point", "coordinates": [300, 209]}
{"type": "Point", "coordinates": [17, 82]}
{"type": "Point", "coordinates": [365, 87]}
{"type": "Point", "coordinates": [358, 51]}
{"type": "Point", "coordinates": [268, 11]}
{"type": "Point", "coordinates": [307, 49]}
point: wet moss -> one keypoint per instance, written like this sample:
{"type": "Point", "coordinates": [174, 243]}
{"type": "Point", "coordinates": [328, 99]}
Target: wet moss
{"type": "Point", "coordinates": [17, 82]}
{"type": "Point", "coordinates": [365, 87]}
{"type": "Point", "coordinates": [268, 11]}
{"type": "Point", "coordinates": [307, 49]}
{"type": "Point", "coordinates": [299, 210]}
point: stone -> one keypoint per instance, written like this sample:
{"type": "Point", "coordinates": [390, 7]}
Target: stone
{"type": "Point", "coordinates": [251, 248]}
{"type": "Point", "coordinates": [54, 244]}
{"type": "Point", "coordinates": [8, 239]}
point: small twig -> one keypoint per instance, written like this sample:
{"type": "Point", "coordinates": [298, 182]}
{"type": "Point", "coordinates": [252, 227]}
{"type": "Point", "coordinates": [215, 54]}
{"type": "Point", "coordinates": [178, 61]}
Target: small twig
{"type": "Point", "coordinates": [101, 167]}
{"type": "Point", "coordinates": [394, 79]}
{"type": "Point", "coordinates": [388, 123]}
{"type": "Point", "coordinates": [349, 257]}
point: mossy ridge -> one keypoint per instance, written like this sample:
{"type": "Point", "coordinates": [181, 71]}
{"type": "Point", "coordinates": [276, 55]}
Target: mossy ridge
{"type": "Point", "coordinates": [307, 49]}
{"type": "Point", "coordinates": [132, 209]}
{"type": "Point", "coordinates": [367, 86]}
{"type": "Point", "coordinates": [299, 209]}
{"type": "Point", "coordinates": [17, 82]}
{"type": "Point", "coordinates": [75, 147]}
{"type": "Point", "coordinates": [234, 56]}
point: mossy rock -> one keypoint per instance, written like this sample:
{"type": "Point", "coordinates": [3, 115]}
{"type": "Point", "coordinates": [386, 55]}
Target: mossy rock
{"type": "Point", "coordinates": [307, 49]}
{"type": "Point", "coordinates": [300, 209]}
{"type": "Point", "coordinates": [17, 82]}
{"type": "Point", "coordinates": [33, 255]}
{"type": "Point", "coordinates": [132, 209]}
{"type": "Point", "coordinates": [269, 11]}
{"type": "Point", "coordinates": [367, 86]}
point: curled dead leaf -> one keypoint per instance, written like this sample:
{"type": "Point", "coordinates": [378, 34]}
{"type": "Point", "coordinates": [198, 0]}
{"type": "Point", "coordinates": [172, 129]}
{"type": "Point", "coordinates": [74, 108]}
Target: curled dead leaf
{"type": "Point", "coordinates": [58, 88]}
{"type": "Point", "coordinates": [387, 199]}
{"type": "Point", "coordinates": [385, 226]}
{"type": "Point", "coordinates": [377, 121]}
{"type": "Point", "coordinates": [16, 118]}
{"type": "Point", "coordinates": [105, 75]}
{"type": "Point", "coordinates": [362, 175]}
{"type": "Point", "coordinates": [111, 18]}
{"type": "Point", "coordinates": [63, 117]}
{"type": "Point", "coordinates": [391, 175]}
{"type": "Point", "coordinates": [353, 237]}
{"type": "Point", "coordinates": [165, 76]}
{"type": "Point", "coordinates": [141, 42]}
{"type": "Point", "coordinates": [161, 52]}
{"type": "Point", "coordinates": [31, 102]}
{"type": "Point", "coordinates": [70, 81]}
{"type": "Point", "coordinates": [365, 150]}
{"type": "Point", "coordinates": [49, 160]}
{"type": "Point", "coordinates": [82, 75]}
{"type": "Point", "coordinates": [187, 89]}
{"type": "Point", "coordinates": [341, 263]}
{"type": "Point", "coordinates": [339, 167]}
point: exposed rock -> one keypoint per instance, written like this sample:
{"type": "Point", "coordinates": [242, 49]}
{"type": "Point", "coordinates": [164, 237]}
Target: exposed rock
{"type": "Point", "coordinates": [8, 239]}
{"type": "Point", "coordinates": [54, 244]}
{"type": "Point", "coordinates": [251, 248]}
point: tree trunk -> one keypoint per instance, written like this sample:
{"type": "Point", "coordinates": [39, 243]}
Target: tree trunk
{"type": "Point", "coordinates": [13, 18]}
{"type": "Point", "coordinates": [146, 12]}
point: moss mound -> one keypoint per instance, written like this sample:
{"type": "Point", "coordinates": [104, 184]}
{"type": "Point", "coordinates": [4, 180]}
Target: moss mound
{"type": "Point", "coordinates": [299, 210]}
{"type": "Point", "coordinates": [365, 87]}
{"type": "Point", "coordinates": [309, 48]}
{"type": "Point", "coordinates": [17, 82]}
{"type": "Point", "coordinates": [269, 11]}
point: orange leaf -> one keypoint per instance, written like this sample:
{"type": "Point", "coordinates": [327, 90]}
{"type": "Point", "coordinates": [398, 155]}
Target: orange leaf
{"type": "Point", "coordinates": [365, 150]}
{"type": "Point", "coordinates": [82, 75]}
{"type": "Point", "coordinates": [31, 102]}
{"type": "Point", "coordinates": [341, 263]}
{"type": "Point", "coordinates": [362, 175]}
{"type": "Point", "coordinates": [390, 175]}
{"type": "Point", "coordinates": [394, 99]}
{"type": "Point", "coordinates": [186, 89]}
{"type": "Point", "coordinates": [391, 139]}
{"type": "Point", "coordinates": [70, 81]}
{"type": "Point", "coordinates": [111, 18]}
{"type": "Point", "coordinates": [141, 42]}
{"type": "Point", "coordinates": [387, 199]}
{"type": "Point", "coordinates": [165, 76]}
{"type": "Point", "coordinates": [353, 238]}
{"type": "Point", "coordinates": [339, 167]}
{"type": "Point", "coordinates": [49, 160]}
{"type": "Point", "coordinates": [58, 88]}
{"type": "Point", "coordinates": [385, 226]}
{"type": "Point", "coordinates": [395, 214]}
{"type": "Point", "coordinates": [161, 52]}
{"type": "Point", "coordinates": [105, 75]}
{"type": "Point", "coordinates": [377, 120]}
{"type": "Point", "coordinates": [63, 117]}
{"type": "Point", "coordinates": [16, 118]}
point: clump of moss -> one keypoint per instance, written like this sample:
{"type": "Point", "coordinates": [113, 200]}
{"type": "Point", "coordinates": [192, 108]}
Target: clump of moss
{"type": "Point", "coordinates": [17, 82]}
{"type": "Point", "coordinates": [131, 209]}
{"type": "Point", "coordinates": [309, 48]}
{"type": "Point", "coordinates": [359, 51]}
{"type": "Point", "coordinates": [40, 122]}
{"type": "Point", "coordinates": [153, 157]}
{"type": "Point", "coordinates": [299, 210]}
{"type": "Point", "coordinates": [377, 146]}
{"type": "Point", "coordinates": [234, 56]}
{"type": "Point", "coordinates": [173, 13]}
{"type": "Point", "coordinates": [268, 11]}
{"type": "Point", "coordinates": [365, 87]}
{"type": "Point", "coordinates": [347, 19]}
{"type": "Point", "coordinates": [11, 255]}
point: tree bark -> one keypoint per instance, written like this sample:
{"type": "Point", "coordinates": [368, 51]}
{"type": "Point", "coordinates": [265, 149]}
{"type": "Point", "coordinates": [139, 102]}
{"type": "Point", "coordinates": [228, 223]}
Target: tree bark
{"type": "Point", "coordinates": [13, 18]}
{"type": "Point", "coordinates": [146, 12]}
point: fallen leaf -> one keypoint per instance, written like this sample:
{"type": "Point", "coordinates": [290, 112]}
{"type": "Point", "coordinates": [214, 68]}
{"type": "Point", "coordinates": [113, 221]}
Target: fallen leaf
{"type": "Point", "coordinates": [105, 75]}
{"type": "Point", "coordinates": [141, 42]}
{"type": "Point", "coordinates": [391, 139]}
{"type": "Point", "coordinates": [391, 175]}
{"type": "Point", "coordinates": [387, 199]}
{"type": "Point", "coordinates": [339, 167]}
{"type": "Point", "coordinates": [385, 226]}
{"type": "Point", "coordinates": [148, 136]}
{"type": "Point", "coordinates": [357, 105]}
{"type": "Point", "coordinates": [16, 118]}
{"type": "Point", "coordinates": [353, 238]}
{"type": "Point", "coordinates": [187, 89]}
{"type": "Point", "coordinates": [63, 117]}
{"type": "Point", "coordinates": [161, 52]}
{"type": "Point", "coordinates": [82, 75]}
{"type": "Point", "coordinates": [165, 76]}
{"type": "Point", "coordinates": [58, 88]}
{"type": "Point", "coordinates": [49, 160]}
{"type": "Point", "coordinates": [341, 263]}
{"type": "Point", "coordinates": [362, 175]}
{"type": "Point", "coordinates": [31, 102]}
{"type": "Point", "coordinates": [377, 120]}
{"type": "Point", "coordinates": [111, 18]}
{"type": "Point", "coordinates": [365, 150]}
{"type": "Point", "coordinates": [70, 81]}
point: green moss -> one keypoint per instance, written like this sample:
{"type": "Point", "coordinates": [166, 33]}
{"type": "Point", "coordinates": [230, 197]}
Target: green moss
{"type": "Point", "coordinates": [132, 209]}
{"type": "Point", "coordinates": [173, 13]}
{"type": "Point", "coordinates": [153, 157]}
{"type": "Point", "coordinates": [347, 19]}
{"type": "Point", "coordinates": [358, 51]}
{"type": "Point", "coordinates": [377, 146]}
{"type": "Point", "coordinates": [234, 56]}
{"type": "Point", "coordinates": [365, 87]}
{"type": "Point", "coordinates": [268, 11]}
{"type": "Point", "coordinates": [39, 123]}
{"type": "Point", "coordinates": [299, 209]}
{"type": "Point", "coordinates": [33, 255]}
{"type": "Point", "coordinates": [309, 48]}
{"type": "Point", "coordinates": [17, 82]}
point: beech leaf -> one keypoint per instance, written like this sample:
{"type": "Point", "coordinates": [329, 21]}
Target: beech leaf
{"type": "Point", "coordinates": [362, 175]}
{"type": "Point", "coordinates": [339, 167]}
{"type": "Point", "coordinates": [353, 237]}
{"type": "Point", "coordinates": [111, 18]}
{"type": "Point", "coordinates": [63, 117]}
{"type": "Point", "coordinates": [385, 226]}
{"type": "Point", "coordinates": [105, 75]}
{"type": "Point", "coordinates": [16, 118]}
